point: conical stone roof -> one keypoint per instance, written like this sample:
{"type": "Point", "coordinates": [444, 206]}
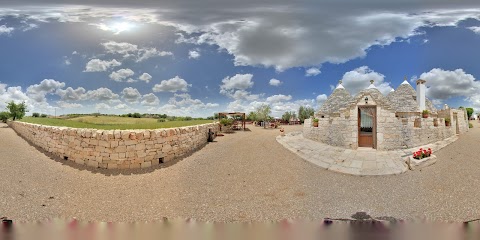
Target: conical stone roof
{"type": "Point", "coordinates": [379, 98]}
{"type": "Point", "coordinates": [404, 98]}
{"type": "Point", "coordinates": [340, 98]}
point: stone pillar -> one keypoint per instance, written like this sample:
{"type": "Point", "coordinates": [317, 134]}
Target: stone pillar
{"type": "Point", "coordinates": [421, 88]}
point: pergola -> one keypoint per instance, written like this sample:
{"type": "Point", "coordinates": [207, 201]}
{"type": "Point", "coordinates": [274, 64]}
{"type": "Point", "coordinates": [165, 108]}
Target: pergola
{"type": "Point", "coordinates": [225, 114]}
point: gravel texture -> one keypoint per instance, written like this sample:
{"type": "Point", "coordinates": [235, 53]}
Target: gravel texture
{"type": "Point", "coordinates": [242, 176]}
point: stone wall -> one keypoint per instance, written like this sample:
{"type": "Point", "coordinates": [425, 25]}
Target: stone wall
{"type": "Point", "coordinates": [116, 148]}
{"type": "Point", "coordinates": [393, 132]}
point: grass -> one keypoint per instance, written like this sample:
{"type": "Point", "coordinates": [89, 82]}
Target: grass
{"type": "Point", "coordinates": [110, 123]}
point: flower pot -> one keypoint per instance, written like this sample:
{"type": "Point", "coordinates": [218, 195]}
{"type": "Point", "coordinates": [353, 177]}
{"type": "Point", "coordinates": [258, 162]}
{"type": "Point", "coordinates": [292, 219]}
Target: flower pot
{"type": "Point", "coordinates": [447, 124]}
{"type": "Point", "coordinates": [315, 124]}
{"type": "Point", "coordinates": [425, 115]}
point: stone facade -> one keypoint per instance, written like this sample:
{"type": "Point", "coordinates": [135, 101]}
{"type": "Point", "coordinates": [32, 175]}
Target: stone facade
{"type": "Point", "coordinates": [394, 129]}
{"type": "Point", "coordinates": [116, 148]}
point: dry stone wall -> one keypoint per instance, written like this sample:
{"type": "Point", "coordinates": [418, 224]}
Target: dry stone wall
{"type": "Point", "coordinates": [116, 148]}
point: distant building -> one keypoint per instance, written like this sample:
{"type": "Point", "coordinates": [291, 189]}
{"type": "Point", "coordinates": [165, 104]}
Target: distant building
{"type": "Point", "coordinates": [395, 121]}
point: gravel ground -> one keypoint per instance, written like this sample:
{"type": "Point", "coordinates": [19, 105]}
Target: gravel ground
{"type": "Point", "coordinates": [242, 176]}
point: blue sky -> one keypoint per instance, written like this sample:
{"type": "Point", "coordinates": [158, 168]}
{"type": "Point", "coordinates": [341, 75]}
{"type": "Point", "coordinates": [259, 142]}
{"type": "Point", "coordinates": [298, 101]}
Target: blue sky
{"type": "Point", "coordinates": [196, 59]}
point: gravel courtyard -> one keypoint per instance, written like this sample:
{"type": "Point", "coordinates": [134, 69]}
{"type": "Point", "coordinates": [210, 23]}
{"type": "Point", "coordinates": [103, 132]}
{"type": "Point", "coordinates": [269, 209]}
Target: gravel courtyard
{"type": "Point", "coordinates": [242, 176]}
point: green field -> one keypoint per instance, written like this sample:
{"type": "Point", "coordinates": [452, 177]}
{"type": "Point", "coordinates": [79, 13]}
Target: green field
{"type": "Point", "coordinates": [109, 123]}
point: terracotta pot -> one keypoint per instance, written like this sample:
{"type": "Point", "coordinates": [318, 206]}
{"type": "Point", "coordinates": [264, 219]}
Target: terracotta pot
{"type": "Point", "coordinates": [425, 115]}
{"type": "Point", "coordinates": [315, 124]}
{"type": "Point", "coordinates": [447, 124]}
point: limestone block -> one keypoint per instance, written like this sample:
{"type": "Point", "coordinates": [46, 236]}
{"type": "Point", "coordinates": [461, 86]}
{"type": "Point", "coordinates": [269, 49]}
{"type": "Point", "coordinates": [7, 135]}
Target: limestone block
{"type": "Point", "coordinates": [135, 165]}
{"type": "Point", "coordinates": [92, 164]}
{"type": "Point", "coordinates": [140, 146]}
{"type": "Point", "coordinates": [125, 135]}
{"type": "Point", "coordinates": [113, 144]}
{"type": "Point", "coordinates": [112, 166]}
{"type": "Point", "coordinates": [114, 156]}
{"type": "Point", "coordinates": [102, 165]}
{"type": "Point", "coordinates": [132, 136]}
{"type": "Point", "coordinates": [121, 149]}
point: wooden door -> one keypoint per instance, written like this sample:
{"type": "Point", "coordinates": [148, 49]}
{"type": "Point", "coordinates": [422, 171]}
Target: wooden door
{"type": "Point", "coordinates": [367, 126]}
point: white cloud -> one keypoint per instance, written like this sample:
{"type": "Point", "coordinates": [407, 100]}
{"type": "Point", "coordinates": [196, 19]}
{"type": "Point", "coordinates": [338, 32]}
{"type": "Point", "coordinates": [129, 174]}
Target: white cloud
{"type": "Point", "coordinates": [312, 72]}
{"type": "Point", "coordinates": [121, 74]}
{"type": "Point", "coordinates": [275, 82]}
{"type": "Point", "coordinates": [120, 47]}
{"type": "Point", "coordinates": [6, 30]}
{"type": "Point", "coordinates": [150, 100]}
{"type": "Point", "coordinates": [68, 105]}
{"type": "Point", "coordinates": [122, 106]}
{"type": "Point", "coordinates": [8, 94]}
{"type": "Point", "coordinates": [101, 94]}
{"type": "Point", "coordinates": [321, 99]}
{"type": "Point", "coordinates": [444, 84]}
{"type": "Point", "coordinates": [131, 95]}
{"type": "Point", "coordinates": [239, 81]}
{"type": "Point", "coordinates": [475, 29]}
{"type": "Point", "coordinates": [70, 94]}
{"type": "Point", "coordinates": [102, 106]}
{"type": "Point", "coordinates": [278, 98]}
{"type": "Point", "coordinates": [359, 79]}
{"type": "Point", "coordinates": [37, 92]}
{"type": "Point", "coordinates": [97, 65]}
{"type": "Point", "coordinates": [147, 53]}
{"type": "Point", "coordinates": [145, 77]}
{"type": "Point", "coordinates": [172, 85]}
{"type": "Point", "coordinates": [193, 54]}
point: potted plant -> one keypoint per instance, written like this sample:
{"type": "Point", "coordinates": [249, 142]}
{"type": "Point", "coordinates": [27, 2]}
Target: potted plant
{"type": "Point", "coordinates": [315, 122]}
{"type": "Point", "coordinates": [425, 113]}
{"type": "Point", "coordinates": [447, 122]}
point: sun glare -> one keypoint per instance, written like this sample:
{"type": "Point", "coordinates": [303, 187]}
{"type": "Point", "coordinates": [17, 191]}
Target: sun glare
{"type": "Point", "coordinates": [116, 27]}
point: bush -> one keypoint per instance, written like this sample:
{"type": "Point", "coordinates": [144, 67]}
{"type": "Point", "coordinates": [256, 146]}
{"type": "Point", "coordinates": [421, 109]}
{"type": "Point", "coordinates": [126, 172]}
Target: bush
{"type": "Point", "coordinates": [137, 115]}
{"type": "Point", "coordinates": [4, 116]}
{"type": "Point", "coordinates": [470, 125]}
{"type": "Point", "coordinates": [43, 115]}
{"type": "Point", "coordinates": [35, 114]}
{"type": "Point", "coordinates": [226, 121]}
{"type": "Point", "coordinates": [315, 120]}
{"type": "Point", "coordinates": [161, 120]}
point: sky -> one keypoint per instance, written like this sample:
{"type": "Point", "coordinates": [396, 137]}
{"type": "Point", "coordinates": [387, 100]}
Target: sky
{"type": "Point", "coordinates": [187, 58]}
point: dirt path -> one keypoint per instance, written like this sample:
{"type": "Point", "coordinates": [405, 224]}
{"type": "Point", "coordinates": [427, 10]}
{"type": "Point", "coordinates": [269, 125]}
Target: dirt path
{"type": "Point", "coordinates": [242, 176]}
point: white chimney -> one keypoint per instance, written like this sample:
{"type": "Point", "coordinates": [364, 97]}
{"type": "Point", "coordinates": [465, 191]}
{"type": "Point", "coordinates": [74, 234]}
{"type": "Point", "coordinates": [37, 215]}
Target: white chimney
{"type": "Point", "coordinates": [421, 94]}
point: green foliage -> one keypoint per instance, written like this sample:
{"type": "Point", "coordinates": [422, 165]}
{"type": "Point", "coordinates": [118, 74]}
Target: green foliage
{"type": "Point", "coordinates": [447, 119]}
{"type": "Point", "coordinates": [470, 125]}
{"type": "Point", "coordinates": [210, 117]}
{"type": "Point", "coordinates": [305, 112]}
{"type": "Point", "coordinates": [17, 111]}
{"type": "Point", "coordinates": [226, 121]}
{"type": "Point", "coordinates": [215, 116]}
{"type": "Point", "coordinates": [287, 116]}
{"type": "Point", "coordinates": [263, 113]}
{"type": "Point", "coordinates": [35, 114]}
{"type": "Point", "coordinates": [425, 112]}
{"type": "Point", "coordinates": [469, 112]}
{"type": "Point", "coordinates": [137, 115]}
{"type": "Point", "coordinates": [129, 115]}
{"type": "Point", "coordinates": [315, 120]}
{"type": "Point", "coordinates": [43, 115]}
{"type": "Point", "coordinates": [96, 114]}
{"type": "Point", "coordinates": [161, 120]}
{"type": "Point", "coordinates": [252, 116]}
{"type": "Point", "coordinates": [4, 116]}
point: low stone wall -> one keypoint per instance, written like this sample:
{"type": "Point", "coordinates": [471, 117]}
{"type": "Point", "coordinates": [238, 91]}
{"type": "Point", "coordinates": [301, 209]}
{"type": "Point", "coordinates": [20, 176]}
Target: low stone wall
{"type": "Point", "coordinates": [116, 148]}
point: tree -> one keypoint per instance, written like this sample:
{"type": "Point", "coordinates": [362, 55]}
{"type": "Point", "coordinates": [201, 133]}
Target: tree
{"type": "Point", "coordinates": [305, 112]}
{"type": "Point", "coordinates": [17, 111]}
{"type": "Point", "coordinates": [263, 112]}
{"type": "Point", "coordinates": [252, 116]}
{"type": "Point", "coordinates": [36, 115]}
{"type": "Point", "coordinates": [469, 112]}
{"type": "Point", "coordinates": [4, 116]}
{"type": "Point", "coordinates": [137, 115]}
{"type": "Point", "coordinates": [287, 116]}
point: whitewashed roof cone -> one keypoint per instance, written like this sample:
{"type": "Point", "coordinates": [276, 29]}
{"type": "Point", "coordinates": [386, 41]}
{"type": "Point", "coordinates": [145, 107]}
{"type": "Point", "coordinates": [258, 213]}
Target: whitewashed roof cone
{"type": "Point", "coordinates": [340, 84]}
{"type": "Point", "coordinates": [371, 85]}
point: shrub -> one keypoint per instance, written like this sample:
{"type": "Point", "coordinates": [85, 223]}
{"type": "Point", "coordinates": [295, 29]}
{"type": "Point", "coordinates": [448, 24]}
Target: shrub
{"type": "Point", "coordinates": [161, 120]}
{"type": "Point", "coordinates": [43, 115]}
{"type": "Point", "coordinates": [187, 118]}
{"type": "Point", "coordinates": [226, 121]}
{"type": "Point", "coordinates": [425, 112]}
{"type": "Point", "coordinates": [470, 125]}
{"type": "Point", "coordinates": [315, 120]}
{"type": "Point", "coordinates": [136, 115]}
{"type": "Point", "coordinates": [35, 114]}
{"type": "Point", "coordinates": [4, 116]}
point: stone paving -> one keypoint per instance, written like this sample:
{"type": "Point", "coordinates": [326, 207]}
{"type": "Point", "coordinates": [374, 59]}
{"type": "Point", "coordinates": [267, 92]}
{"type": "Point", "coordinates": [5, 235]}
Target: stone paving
{"type": "Point", "coordinates": [363, 161]}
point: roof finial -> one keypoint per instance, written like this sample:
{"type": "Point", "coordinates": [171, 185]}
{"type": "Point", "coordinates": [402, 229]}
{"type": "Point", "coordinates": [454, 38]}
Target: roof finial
{"type": "Point", "coordinates": [340, 82]}
{"type": "Point", "coordinates": [405, 78]}
{"type": "Point", "coordinates": [371, 81]}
